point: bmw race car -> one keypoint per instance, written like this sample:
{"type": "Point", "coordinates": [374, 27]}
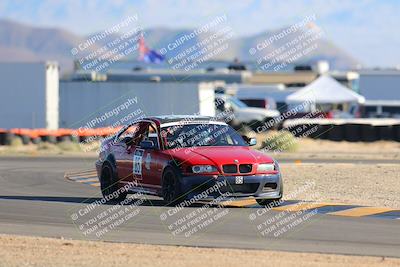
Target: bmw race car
{"type": "Point", "coordinates": [180, 157]}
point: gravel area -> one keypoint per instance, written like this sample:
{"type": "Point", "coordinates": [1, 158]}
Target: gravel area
{"type": "Point", "coordinates": [324, 149]}
{"type": "Point", "coordinates": [34, 251]}
{"type": "Point", "coordinates": [359, 184]}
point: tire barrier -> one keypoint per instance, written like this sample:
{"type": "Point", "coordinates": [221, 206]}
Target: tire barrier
{"type": "Point", "coordinates": [36, 140]}
{"type": "Point", "coordinates": [8, 138]}
{"type": "Point", "coordinates": [321, 131]}
{"type": "Point", "coordinates": [336, 133]}
{"type": "Point", "coordinates": [35, 136]}
{"type": "Point", "coordinates": [304, 130]}
{"type": "Point", "coordinates": [351, 130]}
{"type": "Point", "coordinates": [396, 132]}
{"type": "Point", "coordinates": [369, 133]}
{"type": "Point", "coordinates": [385, 132]}
{"type": "Point", "coordinates": [5, 137]}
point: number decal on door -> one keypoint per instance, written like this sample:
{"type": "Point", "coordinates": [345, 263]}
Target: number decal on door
{"type": "Point", "coordinates": [137, 162]}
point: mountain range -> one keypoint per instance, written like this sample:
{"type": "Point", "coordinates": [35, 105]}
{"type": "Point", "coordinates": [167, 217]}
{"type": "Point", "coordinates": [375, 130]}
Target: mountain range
{"type": "Point", "coordinates": [21, 42]}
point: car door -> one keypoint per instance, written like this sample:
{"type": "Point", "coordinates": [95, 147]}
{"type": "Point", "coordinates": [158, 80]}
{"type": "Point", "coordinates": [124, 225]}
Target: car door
{"type": "Point", "coordinates": [137, 154]}
{"type": "Point", "coordinates": [152, 160]}
{"type": "Point", "coordinates": [123, 153]}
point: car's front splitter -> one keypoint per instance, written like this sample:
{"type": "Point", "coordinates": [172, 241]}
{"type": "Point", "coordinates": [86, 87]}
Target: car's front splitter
{"type": "Point", "coordinates": [266, 186]}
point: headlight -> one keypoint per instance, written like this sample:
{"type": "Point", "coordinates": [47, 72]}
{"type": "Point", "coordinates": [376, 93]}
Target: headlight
{"type": "Point", "coordinates": [266, 167]}
{"type": "Point", "coordinates": [204, 168]}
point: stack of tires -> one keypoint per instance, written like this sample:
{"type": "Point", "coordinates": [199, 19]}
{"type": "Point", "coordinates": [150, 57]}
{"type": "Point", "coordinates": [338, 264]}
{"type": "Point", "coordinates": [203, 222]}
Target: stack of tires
{"type": "Point", "coordinates": [351, 132]}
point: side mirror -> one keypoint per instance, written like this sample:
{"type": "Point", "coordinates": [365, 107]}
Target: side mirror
{"type": "Point", "coordinates": [252, 142]}
{"type": "Point", "coordinates": [147, 144]}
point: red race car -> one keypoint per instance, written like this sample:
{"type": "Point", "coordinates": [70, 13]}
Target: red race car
{"type": "Point", "coordinates": [181, 158]}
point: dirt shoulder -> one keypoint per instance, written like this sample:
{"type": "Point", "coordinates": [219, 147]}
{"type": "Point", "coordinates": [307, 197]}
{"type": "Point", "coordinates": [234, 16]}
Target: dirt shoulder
{"type": "Point", "coordinates": [306, 148]}
{"type": "Point", "coordinates": [43, 252]}
{"type": "Point", "coordinates": [356, 184]}
{"type": "Point", "coordinates": [324, 149]}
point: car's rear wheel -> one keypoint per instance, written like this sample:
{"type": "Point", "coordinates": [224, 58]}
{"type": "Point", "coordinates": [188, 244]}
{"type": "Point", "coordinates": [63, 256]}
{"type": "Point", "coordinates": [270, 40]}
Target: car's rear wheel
{"type": "Point", "coordinates": [171, 187]}
{"type": "Point", "coordinates": [109, 184]}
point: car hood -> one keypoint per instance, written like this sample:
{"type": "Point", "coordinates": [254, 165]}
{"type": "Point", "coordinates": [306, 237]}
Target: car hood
{"type": "Point", "coordinates": [219, 155]}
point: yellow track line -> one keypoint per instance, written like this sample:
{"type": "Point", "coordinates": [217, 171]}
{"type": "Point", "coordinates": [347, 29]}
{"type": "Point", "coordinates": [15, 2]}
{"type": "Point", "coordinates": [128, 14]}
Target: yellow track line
{"type": "Point", "coordinates": [240, 203]}
{"type": "Point", "coordinates": [301, 206]}
{"type": "Point", "coordinates": [88, 180]}
{"type": "Point", "coordinates": [80, 176]}
{"type": "Point", "coordinates": [81, 172]}
{"type": "Point", "coordinates": [360, 211]}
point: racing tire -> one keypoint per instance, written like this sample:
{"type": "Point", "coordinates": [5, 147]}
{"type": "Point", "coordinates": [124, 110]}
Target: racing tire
{"type": "Point", "coordinates": [171, 187]}
{"type": "Point", "coordinates": [109, 184]}
{"type": "Point", "coordinates": [8, 138]}
{"type": "Point", "coordinates": [267, 202]}
{"type": "Point", "coordinates": [36, 140]}
{"type": "Point", "coordinates": [25, 139]}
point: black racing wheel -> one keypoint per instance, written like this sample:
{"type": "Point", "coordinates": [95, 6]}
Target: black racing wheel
{"type": "Point", "coordinates": [109, 184]}
{"type": "Point", "coordinates": [171, 187]}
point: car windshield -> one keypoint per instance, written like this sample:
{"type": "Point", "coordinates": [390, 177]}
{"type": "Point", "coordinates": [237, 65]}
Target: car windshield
{"type": "Point", "coordinates": [193, 135]}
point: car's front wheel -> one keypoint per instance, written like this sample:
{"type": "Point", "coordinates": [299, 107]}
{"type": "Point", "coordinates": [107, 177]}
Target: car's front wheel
{"type": "Point", "coordinates": [171, 187]}
{"type": "Point", "coordinates": [109, 184]}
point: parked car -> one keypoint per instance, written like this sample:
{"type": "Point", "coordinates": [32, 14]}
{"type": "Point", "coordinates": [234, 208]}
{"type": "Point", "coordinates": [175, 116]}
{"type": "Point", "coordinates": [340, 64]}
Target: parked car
{"type": "Point", "coordinates": [271, 97]}
{"type": "Point", "coordinates": [243, 115]}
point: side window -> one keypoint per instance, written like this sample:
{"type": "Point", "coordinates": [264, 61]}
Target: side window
{"type": "Point", "coordinates": [138, 132]}
{"type": "Point", "coordinates": [146, 131]}
{"type": "Point", "coordinates": [141, 133]}
{"type": "Point", "coordinates": [128, 136]}
{"type": "Point", "coordinates": [151, 134]}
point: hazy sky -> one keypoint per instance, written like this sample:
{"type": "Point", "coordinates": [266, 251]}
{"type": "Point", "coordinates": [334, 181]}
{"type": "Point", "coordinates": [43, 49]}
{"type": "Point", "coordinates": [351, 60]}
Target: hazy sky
{"type": "Point", "coordinates": [369, 30]}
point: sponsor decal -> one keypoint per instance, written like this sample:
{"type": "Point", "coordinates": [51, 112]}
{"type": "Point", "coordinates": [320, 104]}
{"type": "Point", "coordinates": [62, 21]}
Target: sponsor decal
{"type": "Point", "coordinates": [137, 162]}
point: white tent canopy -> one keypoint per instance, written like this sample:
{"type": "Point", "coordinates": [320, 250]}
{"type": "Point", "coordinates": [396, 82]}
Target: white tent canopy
{"type": "Point", "coordinates": [325, 90]}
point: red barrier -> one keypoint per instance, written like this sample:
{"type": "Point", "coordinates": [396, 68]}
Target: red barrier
{"type": "Point", "coordinates": [62, 134]}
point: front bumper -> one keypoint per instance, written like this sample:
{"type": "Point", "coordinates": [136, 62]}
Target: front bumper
{"type": "Point", "coordinates": [258, 186]}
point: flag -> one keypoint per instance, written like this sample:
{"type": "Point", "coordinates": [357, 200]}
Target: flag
{"type": "Point", "coordinates": [148, 55]}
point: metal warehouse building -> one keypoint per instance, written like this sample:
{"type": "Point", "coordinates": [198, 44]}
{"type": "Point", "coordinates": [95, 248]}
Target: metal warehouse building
{"type": "Point", "coordinates": [83, 102]}
{"type": "Point", "coordinates": [29, 95]}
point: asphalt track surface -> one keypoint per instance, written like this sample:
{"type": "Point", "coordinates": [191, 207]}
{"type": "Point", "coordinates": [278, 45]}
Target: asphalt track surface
{"type": "Point", "coordinates": [36, 199]}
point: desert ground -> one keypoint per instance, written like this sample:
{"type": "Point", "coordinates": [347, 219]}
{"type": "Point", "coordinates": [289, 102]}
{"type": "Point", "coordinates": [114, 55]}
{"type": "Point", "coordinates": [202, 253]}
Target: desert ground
{"type": "Point", "coordinates": [48, 252]}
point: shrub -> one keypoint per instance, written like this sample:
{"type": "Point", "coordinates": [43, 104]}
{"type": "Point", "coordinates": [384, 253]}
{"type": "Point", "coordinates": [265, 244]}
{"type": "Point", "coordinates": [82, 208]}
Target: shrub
{"type": "Point", "coordinates": [280, 141]}
{"type": "Point", "coordinates": [47, 146]}
{"type": "Point", "coordinates": [16, 142]}
{"type": "Point", "coordinates": [69, 146]}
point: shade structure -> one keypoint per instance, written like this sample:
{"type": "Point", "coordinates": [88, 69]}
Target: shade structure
{"type": "Point", "coordinates": [325, 90]}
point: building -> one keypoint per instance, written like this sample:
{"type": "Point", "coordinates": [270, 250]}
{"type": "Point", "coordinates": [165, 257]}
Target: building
{"type": "Point", "coordinates": [110, 103]}
{"type": "Point", "coordinates": [381, 89]}
{"type": "Point", "coordinates": [194, 76]}
{"type": "Point", "coordinates": [289, 79]}
{"type": "Point", "coordinates": [29, 95]}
